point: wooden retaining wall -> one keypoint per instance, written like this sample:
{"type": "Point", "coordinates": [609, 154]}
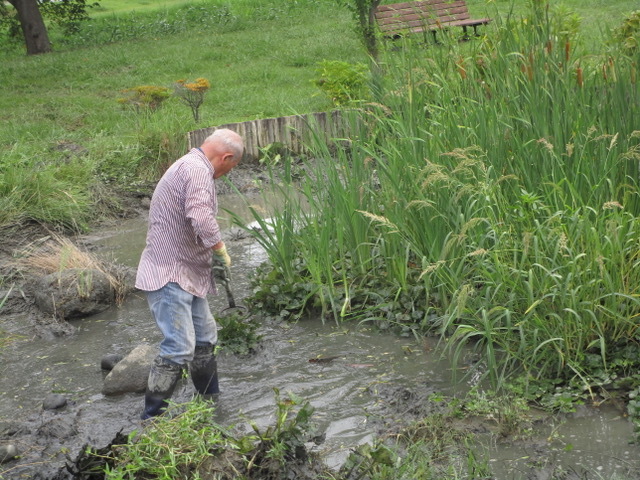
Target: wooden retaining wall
{"type": "Point", "coordinates": [292, 132]}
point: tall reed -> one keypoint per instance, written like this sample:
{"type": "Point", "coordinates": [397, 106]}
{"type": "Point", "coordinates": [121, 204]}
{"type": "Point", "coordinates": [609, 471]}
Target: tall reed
{"type": "Point", "coordinates": [490, 194]}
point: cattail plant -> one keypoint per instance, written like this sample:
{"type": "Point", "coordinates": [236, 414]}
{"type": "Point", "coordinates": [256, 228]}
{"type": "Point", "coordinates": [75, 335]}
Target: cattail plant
{"type": "Point", "coordinates": [507, 221]}
{"type": "Point", "coordinates": [579, 76]}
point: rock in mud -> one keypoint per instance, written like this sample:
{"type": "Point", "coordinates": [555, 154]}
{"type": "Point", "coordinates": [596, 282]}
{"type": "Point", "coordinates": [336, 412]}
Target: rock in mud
{"type": "Point", "coordinates": [54, 401]}
{"type": "Point", "coordinates": [74, 293]}
{"type": "Point", "coordinates": [109, 361]}
{"type": "Point", "coordinates": [8, 452]}
{"type": "Point", "coordinates": [59, 427]}
{"type": "Point", "coordinates": [131, 373]}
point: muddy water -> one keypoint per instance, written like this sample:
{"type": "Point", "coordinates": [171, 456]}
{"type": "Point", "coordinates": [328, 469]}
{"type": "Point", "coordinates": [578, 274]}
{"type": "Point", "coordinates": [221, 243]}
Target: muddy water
{"type": "Point", "coordinates": [344, 392]}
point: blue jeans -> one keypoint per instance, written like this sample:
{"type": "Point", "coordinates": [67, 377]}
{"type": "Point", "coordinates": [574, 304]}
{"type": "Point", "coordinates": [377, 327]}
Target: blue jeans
{"type": "Point", "coordinates": [184, 320]}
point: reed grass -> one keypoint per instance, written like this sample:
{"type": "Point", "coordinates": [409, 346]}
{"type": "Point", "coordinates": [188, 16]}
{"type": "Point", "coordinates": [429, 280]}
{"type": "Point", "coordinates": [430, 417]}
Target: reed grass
{"type": "Point", "coordinates": [489, 195]}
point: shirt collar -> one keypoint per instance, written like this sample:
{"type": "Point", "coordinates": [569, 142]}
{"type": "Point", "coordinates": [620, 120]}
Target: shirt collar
{"type": "Point", "coordinates": [198, 151]}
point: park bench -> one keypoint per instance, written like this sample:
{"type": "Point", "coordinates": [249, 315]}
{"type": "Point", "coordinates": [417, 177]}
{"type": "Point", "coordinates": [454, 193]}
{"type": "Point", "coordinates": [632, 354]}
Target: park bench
{"type": "Point", "coordinates": [398, 19]}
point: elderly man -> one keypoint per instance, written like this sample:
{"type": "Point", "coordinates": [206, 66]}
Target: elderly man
{"type": "Point", "coordinates": [175, 267]}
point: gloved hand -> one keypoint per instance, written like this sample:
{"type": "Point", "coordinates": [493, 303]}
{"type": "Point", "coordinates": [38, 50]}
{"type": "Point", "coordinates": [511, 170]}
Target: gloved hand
{"type": "Point", "coordinates": [221, 274]}
{"type": "Point", "coordinates": [222, 255]}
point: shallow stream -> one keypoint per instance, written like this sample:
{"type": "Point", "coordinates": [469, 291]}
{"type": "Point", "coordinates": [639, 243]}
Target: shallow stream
{"type": "Point", "coordinates": [594, 443]}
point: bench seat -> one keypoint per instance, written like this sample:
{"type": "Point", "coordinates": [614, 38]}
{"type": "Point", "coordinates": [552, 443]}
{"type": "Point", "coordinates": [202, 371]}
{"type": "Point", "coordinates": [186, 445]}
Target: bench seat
{"type": "Point", "coordinates": [398, 19]}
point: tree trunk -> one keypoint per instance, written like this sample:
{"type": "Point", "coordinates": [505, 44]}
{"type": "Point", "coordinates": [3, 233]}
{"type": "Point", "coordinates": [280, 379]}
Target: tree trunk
{"type": "Point", "coordinates": [365, 13]}
{"type": "Point", "coordinates": [372, 41]}
{"type": "Point", "coordinates": [35, 32]}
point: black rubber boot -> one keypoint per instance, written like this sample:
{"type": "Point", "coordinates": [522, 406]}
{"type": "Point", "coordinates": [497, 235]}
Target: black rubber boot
{"type": "Point", "coordinates": [163, 377]}
{"type": "Point", "coordinates": [204, 370]}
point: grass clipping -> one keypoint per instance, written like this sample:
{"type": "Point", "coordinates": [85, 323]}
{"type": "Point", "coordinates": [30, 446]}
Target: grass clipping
{"type": "Point", "coordinates": [54, 253]}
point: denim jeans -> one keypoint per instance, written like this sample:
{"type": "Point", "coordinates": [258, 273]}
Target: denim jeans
{"type": "Point", "coordinates": [184, 320]}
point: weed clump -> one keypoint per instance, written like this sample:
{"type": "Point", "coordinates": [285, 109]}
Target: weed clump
{"type": "Point", "coordinates": [185, 442]}
{"type": "Point", "coordinates": [145, 97]}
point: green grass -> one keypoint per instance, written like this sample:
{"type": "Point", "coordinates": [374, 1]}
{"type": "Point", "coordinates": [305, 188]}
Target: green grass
{"type": "Point", "coordinates": [75, 92]}
{"type": "Point", "coordinates": [111, 7]}
{"type": "Point", "coordinates": [260, 61]}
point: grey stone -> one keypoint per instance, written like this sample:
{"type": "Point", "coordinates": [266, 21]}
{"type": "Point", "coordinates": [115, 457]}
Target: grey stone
{"type": "Point", "coordinates": [131, 373]}
{"type": "Point", "coordinates": [59, 427]}
{"type": "Point", "coordinates": [54, 401]}
{"type": "Point", "coordinates": [74, 293]}
{"type": "Point", "coordinates": [8, 452]}
{"type": "Point", "coordinates": [109, 361]}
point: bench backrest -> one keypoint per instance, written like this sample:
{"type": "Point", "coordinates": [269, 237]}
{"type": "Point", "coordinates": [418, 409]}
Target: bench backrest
{"type": "Point", "coordinates": [398, 17]}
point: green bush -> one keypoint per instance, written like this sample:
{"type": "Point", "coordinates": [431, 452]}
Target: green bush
{"type": "Point", "coordinates": [628, 34]}
{"type": "Point", "coordinates": [145, 97]}
{"type": "Point", "coordinates": [344, 83]}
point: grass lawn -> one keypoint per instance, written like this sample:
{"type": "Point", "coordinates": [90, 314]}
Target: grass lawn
{"type": "Point", "coordinates": [261, 59]}
{"type": "Point", "coordinates": [257, 68]}
{"type": "Point", "coordinates": [110, 7]}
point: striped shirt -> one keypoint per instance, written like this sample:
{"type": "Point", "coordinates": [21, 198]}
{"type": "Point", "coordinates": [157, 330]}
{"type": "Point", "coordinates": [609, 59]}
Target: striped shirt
{"type": "Point", "coordinates": [182, 228]}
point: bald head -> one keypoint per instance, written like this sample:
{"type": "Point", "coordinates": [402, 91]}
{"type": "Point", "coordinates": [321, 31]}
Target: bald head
{"type": "Point", "coordinates": [226, 139]}
{"type": "Point", "coordinates": [224, 149]}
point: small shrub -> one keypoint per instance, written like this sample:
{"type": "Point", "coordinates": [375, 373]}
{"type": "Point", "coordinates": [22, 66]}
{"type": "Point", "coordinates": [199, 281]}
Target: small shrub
{"type": "Point", "coordinates": [270, 155]}
{"type": "Point", "coordinates": [10, 30]}
{"type": "Point", "coordinates": [344, 83]}
{"type": "Point", "coordinates": [192, 94]}
{"type": "Point", "coordinates": [628, 34]}
{"type": "Point", "coordinates": [68, 14]}
{"type": "Point", "coordinates": [237, 334]}
{"type": "Point", "coordinates": [283, 443]}
{"type": "Point", "coordinates": [145, 97]}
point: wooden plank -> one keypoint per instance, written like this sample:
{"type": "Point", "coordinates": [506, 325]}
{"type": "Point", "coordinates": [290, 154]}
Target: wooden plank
{"type": "Point", "coordinates": [417, 3]}
{"type": "Point", "coordinates": [399, 16]}
{"type": "Point", "coordinates": [291, 131]}
{"type": "Point", "coordinates": [413, 14]}
{"type": "Point", "coordinates": [456, 14]}
{"type": "Point", "coordinates": [424, 15]}
{"type": "Point", "coordinates": [414, 18]}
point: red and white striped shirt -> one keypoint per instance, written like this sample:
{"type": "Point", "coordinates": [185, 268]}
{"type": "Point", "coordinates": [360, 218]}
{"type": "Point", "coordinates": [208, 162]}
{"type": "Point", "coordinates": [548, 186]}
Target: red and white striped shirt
{"type": "Point", "coordinates": [182, 228]}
